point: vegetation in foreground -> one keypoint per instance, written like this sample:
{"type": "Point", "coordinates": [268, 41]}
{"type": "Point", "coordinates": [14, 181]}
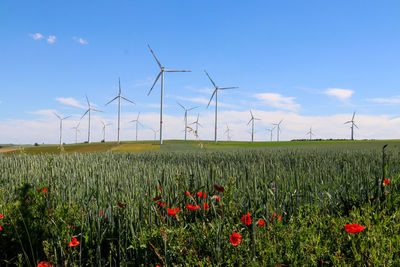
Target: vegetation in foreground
{"type": "Point", "coordinates": [286, 206]}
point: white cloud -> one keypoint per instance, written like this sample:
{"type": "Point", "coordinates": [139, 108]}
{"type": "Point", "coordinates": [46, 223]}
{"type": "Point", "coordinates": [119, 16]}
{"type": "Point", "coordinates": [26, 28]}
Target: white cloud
{"type": "Point", "coordinates": [36, 36]}
{"type": "Point", "coordinates": [341, 94]}
{"type": "Point", "coordinates": [69, 101]}
{"type": "Point", "coordinates": [278, 101]}
{"type": "Point", "coordinates": [45, 112]}
{"type": "Point", "coordinates": [51, 39]}
{"type": "Point", "coordinates": [389, 101]}
{"type": "Point", "coordinates": [203, 100]}
{"type": "Point", "coordinates": [80, 40]}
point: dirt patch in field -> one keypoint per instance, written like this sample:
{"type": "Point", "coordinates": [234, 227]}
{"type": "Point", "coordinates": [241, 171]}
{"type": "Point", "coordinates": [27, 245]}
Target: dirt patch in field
{"type": "Point", "coordinates": [136, 148]}
{"type": "Point", "coordinates": [8, 149]}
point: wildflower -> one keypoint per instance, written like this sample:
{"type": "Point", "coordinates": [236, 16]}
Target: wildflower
{"type": "Point", "coordinates": [159, 188]}
{"type": "Point", "coordinates": [206, 206]}
{"type": "Point", "coordinates": [156, 198]}
{"type": "Point", "coordinates": [1, 228]}
{"type": "Point", "coordinates": [74, 242]}
{"type": "Point", "coordinates": [44, 264]}
{"type": "Point", "coordinates": [277, 217]}
{"type": "Point", "coordinates": [261, 222]}
{"type": "Point", "coordinates": [123, 206]}
{"type": "Point", "coordinates": [1, 216]}
{"type": "Point", "coordinates": [188, 193]}
{"type": "Point", "coordinates": [199, 194]}
{"type": "Point", "coordinates": [235, 239]}
{"type": "Point", "coordinates": [161, 204]}
{"type": "Point", "coordinates": [173, 211]}
{"type": "Point", "coordinates": [220, 189]}
{"type": "Point", "coordinates": [354, 228]}
{"type": "Point", "coordinates": [246, 219]}
{"type": "Point", "coordinates": [217, 198]}
{"type": "Point", "coordinates": [386, 181]}
{"type": "Point", "coordinates": [101, 213]}
{"type": "Point", "coordinates": [42, 189]}
{"type": "Point", "coordinates": [191, 207]}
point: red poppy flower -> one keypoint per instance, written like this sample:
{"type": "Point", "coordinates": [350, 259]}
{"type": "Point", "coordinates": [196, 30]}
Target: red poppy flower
{"type": "Point", "coordinates": [219, 188]}
{"type": "Point", "coordinates": [74, 242]}
{"type": "Point", "coordinates": [123, 206]}
{"type": "Point", "coordinates": [206, 206]}
{"type": "Point", "coordinates": [44, 190]}
{"type": "Point", "coordinates": [199, 194]}
{"type": "Point", "coordinates": [101, 213]}
{"type": "Point", "coordinates": [159, 188]}
{"type": "Point", "coordinates": [261, 222]}
{"type": "Point", "coordinates": [1, 228]}
{"type": "Point", "coordinates": [354, 228]}
{"type": "Point", "coordinates": [39, 189]}
{"type": "Point", "coordinates": [277, 217]}
{"type": "Point", "coordinates": [1, 216]}
{"type": "Point", "coordinates": [235, 239]}
{"type": "Point", "coordinates": [386, 181]}
{"type": "Point", "coordinates": [191, 207]}
{"type": "Point", "coordinates": [44, 264]}
{"type": "Point", "coordinates": [188, 194]}
{"type": "Point", "coordinates": [161, 203]}
{"type": "Point", "coordinates": [171, 212]}
{"type": "Point", "coordinates": [156, 198]}
{"type": "Point", "coordinates": [217, 198]}
{"type": "Point", "coordinates": [246, 219]}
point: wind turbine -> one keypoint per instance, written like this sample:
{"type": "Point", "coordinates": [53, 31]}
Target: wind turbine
{"type": "Point", "coordinates": [278, 129]}
{"type": "Point", "coordinates": [155, 133]}
{"type": "Point", "coordinates": [76, 132]}
{"type": "Point", "coordinates": [252, 125]}
{"type": "Point", "coordinates": [104, 129]}
{"type": "Point", "coordinates": [137, 122]}
{"type": "Point", "coordinates": [228, 131]}
{"type": "Point", "coordinates": [162, 89]}
{"type": "Point", "coordinates": [216, 101]}
{"type": "Point", "coordinates": [310, 133]}
{"type": "Point", "coordinates": [271, 131]}
{"type": "Point", "coordinates": [186, 111]}
{"type": "Point", "coordinates": [61, 120]}
{"type": "Point", "coordinates": [88, 111]}
{"type": "Point", "coordinates": [119, 96]}
{"type": "Point", "coordinates": [197, 124]}
{"type": "Point", "coordinates": [352, 125]}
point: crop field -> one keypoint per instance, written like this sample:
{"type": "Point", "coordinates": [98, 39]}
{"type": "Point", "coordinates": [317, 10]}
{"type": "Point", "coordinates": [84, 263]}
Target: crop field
{"type": "Point", "coordinates": [220, 205]}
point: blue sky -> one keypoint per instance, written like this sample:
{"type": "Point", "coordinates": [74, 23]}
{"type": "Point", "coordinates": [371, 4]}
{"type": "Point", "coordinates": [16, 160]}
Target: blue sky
{"type": "Point", "coordinates": [311, 63]}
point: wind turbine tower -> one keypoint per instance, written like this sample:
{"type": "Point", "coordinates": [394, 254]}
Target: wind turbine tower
{"type": "Point", "coordinates": [76, 132]}
{"type": "Point", "coordinates": [216, 101]}
{"type": "Point", "coordinates": [271, 131]}
{"type": "Point", "coordinates": [310, 133]}
{"type": "Point", "coordinates": [197, 124]}
{"type": "Point", "coordinates": [278, 129]}
{"type": "Point", "coordinates": [228, 133]}
{"type": "Point", "coordinates": [155, 133]}
{"type": "Point", "coordinates": [88, 112]}
{"type": "Point", "coordinates": [252, 125]}
{"type": "Point", "coordinates": [162, 89]}
{"type": "Point", "coordinates": [119, 96]}
{"type": "Point", "coordinates": [61, 120]}
{"type": "Point", "coordinates": [186, 111]}
{"type": "Point", "coordinates": [104, 129]}
{"type": "Point", "coordinates": [137, 122]}
{"type": "Point", "coordinates": [352, 125]}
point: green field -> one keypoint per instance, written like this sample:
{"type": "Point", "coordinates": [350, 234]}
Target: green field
{"type": "Point", "coordinates": [305, 192]}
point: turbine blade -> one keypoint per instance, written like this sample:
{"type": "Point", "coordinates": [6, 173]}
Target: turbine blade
{"type": "Point", "coordinates": [111, 100]}
{"type": "Point", "coordinates": [211, 97]}
{"type": "Point", "coordinates": [128, 100]}
{"type": "Point", "coordinates": [178, 71]}
{"type": "Point", "coordinates": [158, 62]}
{"type": "Point", "coordinates": [249, 121]}
{"type": "Point", "coordinates": [192, 108]}
{"type": "Point", "coordinates": [87, 100]}
{"type": "Point", "coordinates": [251, 114]}
{"type": "Point", "coordinates": [119, 86]}
{"type": "Point", "coordinates": [210, 79]}
{"type": "Point", "coordinates": [57, 115]}
{"type": "Point", "coordinates": [85, 113]}
{"type": "Point", "coordinates": [347, 122]}
{"type": "Point", "coordinates": [66, 117]}
{"type": "Point", "coordinates": [181, 105]}
{"type": "Point", "coordinates": [224, 88]}
{"type": "Point", "coordinates": [354, 113]}
{"type": "Point", "coordinates": [137, 118]}
{"type": "Point", "coordinates": [158, 76]}
{"type": "Point", "coordinates": [96, 110]}
{"type": "Point", "coordinates": [355, 125]}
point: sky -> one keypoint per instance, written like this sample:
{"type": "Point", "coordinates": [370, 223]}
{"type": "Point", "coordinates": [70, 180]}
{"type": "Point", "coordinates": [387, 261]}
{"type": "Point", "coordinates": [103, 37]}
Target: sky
{"type": "Point", "coordinates": [307, 63]}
